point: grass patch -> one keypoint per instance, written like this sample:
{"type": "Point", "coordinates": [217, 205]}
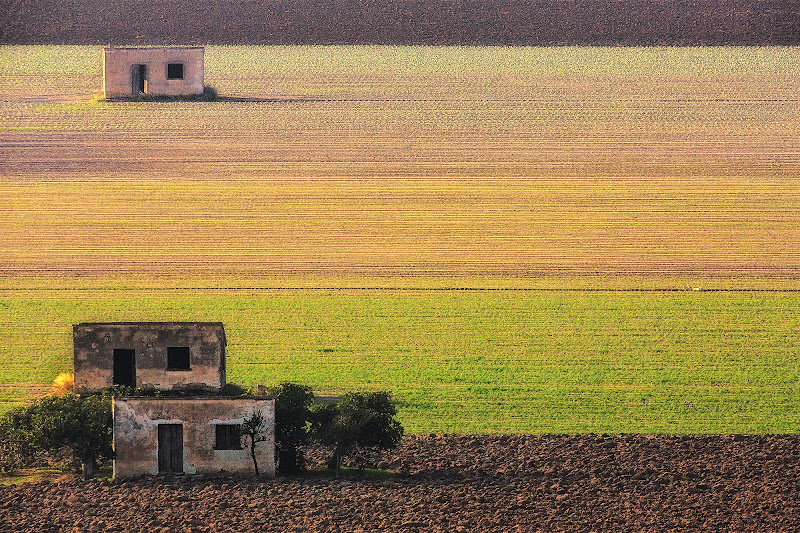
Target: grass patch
{"type": "Point", "coordinates": [37, 475]}
{"type": "Point", "coordinates": [53, 475]}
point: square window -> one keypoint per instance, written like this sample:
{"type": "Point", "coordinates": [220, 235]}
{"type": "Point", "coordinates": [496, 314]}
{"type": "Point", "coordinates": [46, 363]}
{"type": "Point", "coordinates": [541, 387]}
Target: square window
{"type": "Point", "coordinates": [229, 437]}
{"type": "Point", "coordinates": [174, 71]}
{"type": "Point", "coordinates": [178, 358]}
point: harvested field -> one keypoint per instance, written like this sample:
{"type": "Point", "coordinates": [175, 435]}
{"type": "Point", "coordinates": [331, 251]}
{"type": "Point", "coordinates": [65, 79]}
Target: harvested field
{"type": "Point", "coordinates": [294, 230]}
{"type": "Point", "coordinates": [411, 162]}
{"type": "Point", "coordinates": [462, 483]}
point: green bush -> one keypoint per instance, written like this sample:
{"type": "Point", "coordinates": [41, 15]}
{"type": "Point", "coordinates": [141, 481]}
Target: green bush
{"type": "Point", "coordinates": [360, 419]}
{"type": "Point", "coordinates": [293, 418]}
{"type": "Point", "coordinates": [82, 424]}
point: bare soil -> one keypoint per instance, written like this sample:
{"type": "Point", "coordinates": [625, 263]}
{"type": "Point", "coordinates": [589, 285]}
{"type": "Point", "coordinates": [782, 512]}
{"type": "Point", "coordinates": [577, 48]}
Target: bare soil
{"type": "Point", "coordinates": [430, 22]}
{"type": "Point", "coordinates": [460, 483]}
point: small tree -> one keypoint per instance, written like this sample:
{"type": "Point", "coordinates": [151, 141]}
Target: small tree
{"type": "Point", "coordinates": [80, 423]}
{"type": "Point", "coordinates": [359, 420]}
{"type": "Point", "coordinates": [255, 429]}
{"type": "Point", "coordinates": [292, 422]}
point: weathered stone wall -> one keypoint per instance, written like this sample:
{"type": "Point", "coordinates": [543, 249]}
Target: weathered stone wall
{"type": "Point", "coordinates": [118, 62]}
{"type": "Point", "coordinates": [136, 423]}
{"type": "Point", "coordinates": [94, 346]}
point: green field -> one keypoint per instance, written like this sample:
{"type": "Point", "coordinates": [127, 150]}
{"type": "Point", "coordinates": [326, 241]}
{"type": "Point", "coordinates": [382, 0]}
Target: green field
{"type": "Point", "coordinates": [505, 238]}
{"type": "Point", "coordinates": [474, 361]}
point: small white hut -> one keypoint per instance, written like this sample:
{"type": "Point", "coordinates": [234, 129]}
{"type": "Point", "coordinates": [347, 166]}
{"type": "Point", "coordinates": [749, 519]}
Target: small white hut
{"type": "Point", "coordinates": [130, 72]}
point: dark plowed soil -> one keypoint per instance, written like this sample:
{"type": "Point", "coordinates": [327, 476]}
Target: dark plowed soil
{"type": "Point", "coordinates": [461, 483]}
{"type": "Point", "coordinates": [432, 22]}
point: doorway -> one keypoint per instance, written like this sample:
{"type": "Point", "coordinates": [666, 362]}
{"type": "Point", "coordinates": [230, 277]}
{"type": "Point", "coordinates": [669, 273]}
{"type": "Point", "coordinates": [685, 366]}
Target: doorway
{"type": "Point", "coordinates": [124, 368]}
{"type": "Point", "coordinates": [170, 448]}
{"type": "Point", "coordinates": [138, 79]}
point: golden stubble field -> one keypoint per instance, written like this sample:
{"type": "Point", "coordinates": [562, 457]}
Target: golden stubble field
{"type": "Point", "coordinates": [382, 161]}
{"type": "Point", "coordinates": [324, 168]}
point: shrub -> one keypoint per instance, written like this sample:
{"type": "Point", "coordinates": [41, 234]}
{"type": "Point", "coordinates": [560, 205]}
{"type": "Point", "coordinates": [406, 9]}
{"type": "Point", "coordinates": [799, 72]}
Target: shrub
{"type": "Point", "coordinates": [63, 384]}
{"type": "Point", "coordinates": [210, 94]}
{"type": "Point", "coordinates": [293, 417]}
{"type": "Point", "coordinates": [80, 423]}
{"type": "Point", "coordinates": [361, 419]}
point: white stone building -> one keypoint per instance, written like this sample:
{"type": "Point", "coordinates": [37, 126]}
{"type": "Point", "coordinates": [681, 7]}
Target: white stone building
{"type": "Point", "coordinates": [133, 72]}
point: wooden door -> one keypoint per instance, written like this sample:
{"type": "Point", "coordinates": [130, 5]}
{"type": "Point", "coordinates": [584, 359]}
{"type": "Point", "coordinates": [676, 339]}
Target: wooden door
{"type": "Point", "coordinates": [170, 448]}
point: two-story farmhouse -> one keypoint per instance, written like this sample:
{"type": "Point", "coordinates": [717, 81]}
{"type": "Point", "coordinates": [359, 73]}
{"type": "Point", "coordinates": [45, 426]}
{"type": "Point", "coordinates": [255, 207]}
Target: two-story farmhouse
{"type": "Point", "coordinates": [150, 356]}
{"type": "Point", "coordinates": [190, 428]}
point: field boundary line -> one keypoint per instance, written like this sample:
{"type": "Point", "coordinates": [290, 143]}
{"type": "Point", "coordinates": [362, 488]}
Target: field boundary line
{"type": "Point", "coordinates": [393, 289]}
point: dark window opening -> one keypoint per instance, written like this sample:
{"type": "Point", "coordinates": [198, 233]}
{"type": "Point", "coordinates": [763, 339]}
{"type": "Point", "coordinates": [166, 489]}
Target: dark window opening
{"type": "Point", "coordinates": [178, 358]}
{"type": "Point", "coordinates": [174, 71]}
{"type": "Point", "coordinates": [124, 368]}
{"type": "Point", "coordinates": [229, 437]}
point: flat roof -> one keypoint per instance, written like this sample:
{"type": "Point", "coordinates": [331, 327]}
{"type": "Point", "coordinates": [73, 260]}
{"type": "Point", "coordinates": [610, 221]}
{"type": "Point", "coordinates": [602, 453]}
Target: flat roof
{"type": "Point", "coordinates": [178, 323]}
{"type": "Point", "coordinates": [153, 325]}
{"type": "Point", "coordinates": [155, 47]}
{"type": "Point", "coordinates": [165, 396]}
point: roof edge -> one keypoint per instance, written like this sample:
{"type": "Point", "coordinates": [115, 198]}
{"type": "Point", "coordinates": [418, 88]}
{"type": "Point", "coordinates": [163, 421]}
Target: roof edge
{"type": "Point", "coordinates": [156, 47]}
{"type": "Point", "coordinates": [194, 397]}
{"type": "Point", "coordinates": [145, 323]}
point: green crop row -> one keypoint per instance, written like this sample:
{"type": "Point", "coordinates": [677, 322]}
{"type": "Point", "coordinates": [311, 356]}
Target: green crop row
{"type": "Point", "coordinates": [493, 361]}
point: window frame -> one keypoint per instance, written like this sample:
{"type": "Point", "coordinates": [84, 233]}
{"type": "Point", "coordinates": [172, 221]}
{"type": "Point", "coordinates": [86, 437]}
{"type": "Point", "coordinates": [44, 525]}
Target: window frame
{"type": "Point", "coordinates": [183, 71]}
{"type": "Point", "coordinates": [171, 360]}
{"type": "Point", "coordinates": [225, 436]}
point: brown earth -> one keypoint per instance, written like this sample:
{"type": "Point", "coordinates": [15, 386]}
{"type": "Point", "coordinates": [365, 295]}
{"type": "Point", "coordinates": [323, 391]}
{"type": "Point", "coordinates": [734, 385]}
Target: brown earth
{"type": "Point", "coordinates": [436, 22]}
{"type": "Point", "coordinates": [461, 483]}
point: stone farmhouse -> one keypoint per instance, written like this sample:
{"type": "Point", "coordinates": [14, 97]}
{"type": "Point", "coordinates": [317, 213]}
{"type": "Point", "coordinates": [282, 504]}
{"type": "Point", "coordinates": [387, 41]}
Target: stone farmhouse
{"type": "Point", "coordinates": [190, 428]}
{"type": "Point", "coordinates": [149, 355]}
{"type": "Point", "coordinates": [132, 72]}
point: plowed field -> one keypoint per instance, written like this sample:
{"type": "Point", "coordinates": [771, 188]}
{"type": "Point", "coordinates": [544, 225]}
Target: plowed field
{"type": "Point", "coordinates": [510, 483]}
